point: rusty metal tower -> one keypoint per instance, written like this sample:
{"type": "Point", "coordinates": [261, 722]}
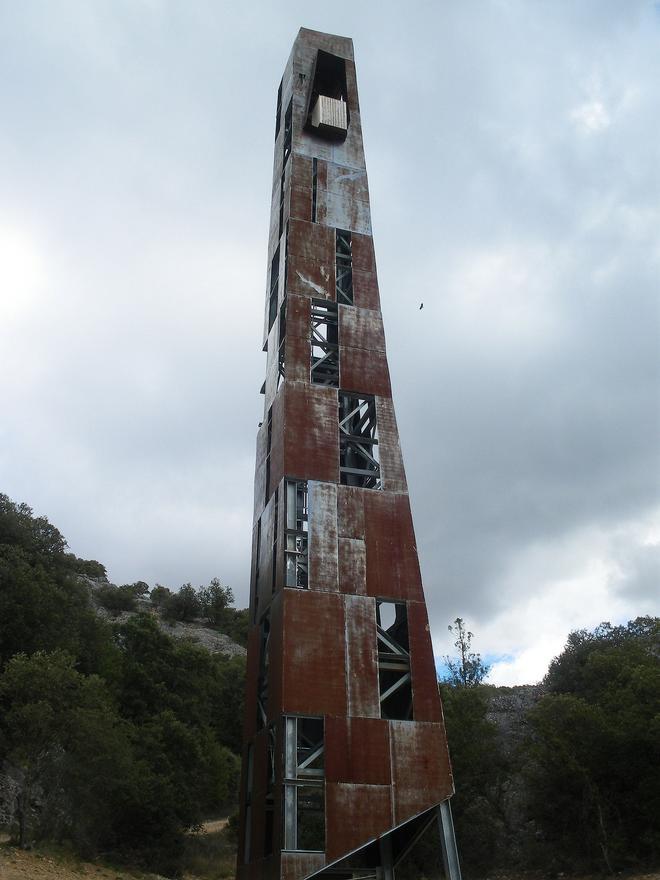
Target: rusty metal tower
{"type": "Point", "coordinates": [345, 760]}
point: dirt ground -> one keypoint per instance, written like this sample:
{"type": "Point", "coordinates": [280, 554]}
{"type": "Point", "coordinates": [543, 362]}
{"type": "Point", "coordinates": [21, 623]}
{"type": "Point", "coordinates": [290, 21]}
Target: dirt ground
{"type": "Point", "coordinates": [16, 864]}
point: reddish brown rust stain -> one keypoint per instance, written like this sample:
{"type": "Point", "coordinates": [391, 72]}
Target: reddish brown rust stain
{"type": "Point", "coordinates": [352, 566]}
{"type": "Point", "coordinates": [420, 768]}
{"type": "Point", "coordinates": [392, 564]}
{"type": "Point", "coordinates": [355, 814]}
{"type": "Point", "coordinates": [426, 700]}
{"type": "Point", "coordinates": [323, 560]}
{"type": "Point", "coordinates": [358, 750]}
{"type": "Point", "coordinates": [365, 372]}
{"type": "Point", "coordinates": [362, 669]}
{"type": "Point", "coordinates": [311, 434]}
{"type": "Point", "coordinates": [350, 512]}
{"type": "Point", "coordinates": [314, 673]}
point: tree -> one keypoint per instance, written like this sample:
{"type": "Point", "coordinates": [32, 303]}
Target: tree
{"type": "Point", "coordinates": [468, 669]}
{"type": "Point", "coordinates": [595, 775]}
{"type": "Point", "coordinates": [59, 728]}
{"type": "Point", "coordinates": [215, 600]}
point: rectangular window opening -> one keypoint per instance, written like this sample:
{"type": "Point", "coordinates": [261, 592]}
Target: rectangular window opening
{"type": "Point", "coordinates": [344, 267]}
{"type": "Point", "coordinates": [359, 463]}
{"type": "Point", "coordinates": [304, 795]}
{"type": "Point", "coordinates": [393, 646]}
{"type": "Point", "coordinates": [297, 535]}
{"type": "Point", "coordinates": [274, 288]}
{"type": "Point", "coordinates": [325, 343]}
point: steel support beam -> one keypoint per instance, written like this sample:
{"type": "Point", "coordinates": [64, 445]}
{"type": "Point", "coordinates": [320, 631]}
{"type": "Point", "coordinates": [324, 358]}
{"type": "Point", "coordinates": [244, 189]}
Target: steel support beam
{"type": "Point", "coordinates": [448, 842]}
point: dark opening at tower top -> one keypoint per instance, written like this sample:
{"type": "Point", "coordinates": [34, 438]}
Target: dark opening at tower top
{"type": "Point", "coordinates": [327, 107]}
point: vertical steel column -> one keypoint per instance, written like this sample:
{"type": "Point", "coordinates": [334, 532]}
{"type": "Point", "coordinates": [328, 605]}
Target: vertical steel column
{"type": "Point", "coordinates": [448, 842]}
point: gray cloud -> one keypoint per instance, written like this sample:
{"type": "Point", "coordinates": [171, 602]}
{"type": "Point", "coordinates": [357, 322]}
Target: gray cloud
{"type": "Point", "coordinates": [512, 153]}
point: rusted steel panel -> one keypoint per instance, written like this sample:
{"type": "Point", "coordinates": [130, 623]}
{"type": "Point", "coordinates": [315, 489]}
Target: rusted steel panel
{"type": "Point", "coordinates": [311, 241]}
{"type": "Point", "coordinates": [277, 449]}
{"type": "Point", "coordinates": [365, 290]}
{"type": "Point", "coordinates": [350, 512]}
{"type": "Point", "coordinates": [352, 566]}
{"type": "Point", "coordinates": [364, 259]}
{"type": "Point", "coordinates": [300, 205]}
{"type": "Point", "coordinates": [314, 673]}
{"type": "Point", "coordinates": [349, 183]}
{"type": "Point", "coordinates": [345, 213]}
{"type": "Point", "coordinates": [298, 317]}
{"type": "Point", "coordinates": [356, 814]}
{"type": "Point", "coordinates": [310, 434]}
{"type": "Point", "coordinates": [301, 172]}
{"type": "Point", "coordinates": [366, 372]}
{"type": "Point", "coordinates": [315, 278]}
{"type": "Point", "coordinates": [393, 475]}
{"type": "Point", "coordinates": [361, 328]}
{"type": "Point", "coordinates": [250, 716]}
{"type": "Point", "coordinates": [260, 771]}
{"type": "Point", "coordinates": [323, 556]}
{"type": "Point", "coordinates": [392, 564]}
{"type": "Point", "coordinates": [420, 767]}
{"type": "Point", "coordinates": [259, 488]}
{"type": "Point", "coordinates": [264, 586]}
{"type": "Point", "coordinates": [297, 865]}
{"type": "Point", "coordinates": [276, 658]}
{"type": "Point", "coordinates": [297, 359]}
{"type": "Point", "coordinates": [357, 750]}
{"type": "Point", "coordinates": [426, 700]}
{"type": "Point", "coordinates": [258, 825]}
{"type": "Point", "coordinates": [361, 660]}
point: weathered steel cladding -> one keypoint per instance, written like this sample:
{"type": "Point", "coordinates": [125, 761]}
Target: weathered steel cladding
{"type": "Point", "coordinates": [420, 767]}
{"type": "Point", "coordinates": [358, 750]}
{"type": "Point", "coordinates": [355, 814]}
{"type": "Point", "coordinates": [322, 656]}
{"type": "Point", "coordinates": [314, 668]}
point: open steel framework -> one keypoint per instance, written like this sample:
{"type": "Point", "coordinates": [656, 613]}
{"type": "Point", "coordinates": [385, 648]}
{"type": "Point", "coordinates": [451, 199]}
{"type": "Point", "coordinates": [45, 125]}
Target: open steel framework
{"type": "Point", "coordinates": [345, 761]}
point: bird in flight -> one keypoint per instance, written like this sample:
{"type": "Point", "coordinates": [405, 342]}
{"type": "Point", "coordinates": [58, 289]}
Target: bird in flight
{"type": "Point", "coordinates": [421, 306]}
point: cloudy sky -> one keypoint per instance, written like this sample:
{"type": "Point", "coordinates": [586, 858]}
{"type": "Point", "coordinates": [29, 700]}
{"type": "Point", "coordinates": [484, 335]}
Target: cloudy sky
{"type": "Point", "coordinates": [513, 149]}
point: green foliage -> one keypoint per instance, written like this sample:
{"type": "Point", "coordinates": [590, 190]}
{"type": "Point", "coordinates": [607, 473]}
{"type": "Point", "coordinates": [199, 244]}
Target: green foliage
{"type": "Point", "coordinates": [43, 605]}
{"type": "Point", "coordinates": [60, 729]}
{"type": "Point", "coordinates": [595, 775]}
{"type": "Point", "coordinates": [88, 567]}
{"type": "Point", "coordinates": [479, 769]}
{"type": "Point", "coordinates": [468, 669]}
{"type": "Point", "coordinates": [214, 601]}
{"type": "Point", "coordinates": [124, 738]}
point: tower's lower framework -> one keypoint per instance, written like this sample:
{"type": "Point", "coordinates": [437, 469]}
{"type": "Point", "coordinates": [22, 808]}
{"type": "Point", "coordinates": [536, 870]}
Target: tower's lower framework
{"type": "Point", "coordinates": [345, 760]}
